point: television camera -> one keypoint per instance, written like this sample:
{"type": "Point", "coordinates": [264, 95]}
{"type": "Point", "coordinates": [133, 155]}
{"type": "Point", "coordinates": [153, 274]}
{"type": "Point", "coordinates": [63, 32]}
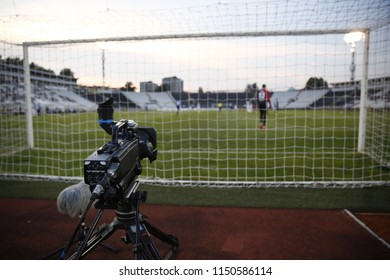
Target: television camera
{"type": "Point", "coordinates": [111, 174]}
{"type": "Point", "coordinates": [116, 164]}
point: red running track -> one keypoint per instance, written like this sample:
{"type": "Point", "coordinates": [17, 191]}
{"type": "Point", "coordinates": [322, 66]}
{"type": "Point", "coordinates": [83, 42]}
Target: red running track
{"type": "Point", "coordinates": [31, 229]}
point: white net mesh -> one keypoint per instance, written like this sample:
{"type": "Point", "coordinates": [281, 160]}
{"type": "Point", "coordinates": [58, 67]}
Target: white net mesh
{"type": "Point", "coordinates": [218, 53]}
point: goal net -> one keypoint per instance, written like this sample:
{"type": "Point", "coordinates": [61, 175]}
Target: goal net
{"type": "Point", "coordinates": [193, 74]}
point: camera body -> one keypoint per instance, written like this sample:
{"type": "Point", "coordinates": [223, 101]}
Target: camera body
{"type": "Point", "coordinates": [116, 164]}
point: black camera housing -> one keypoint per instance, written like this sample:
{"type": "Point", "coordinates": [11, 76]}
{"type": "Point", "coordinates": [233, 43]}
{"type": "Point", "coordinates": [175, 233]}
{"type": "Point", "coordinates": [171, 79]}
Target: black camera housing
{"type": "Point", "coordinates": [117, 163]}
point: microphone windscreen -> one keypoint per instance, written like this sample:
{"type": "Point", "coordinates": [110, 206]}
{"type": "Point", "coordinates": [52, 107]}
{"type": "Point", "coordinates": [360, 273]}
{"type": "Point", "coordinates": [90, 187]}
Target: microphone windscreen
{"type": "Point", "coordinates": [74, 199]}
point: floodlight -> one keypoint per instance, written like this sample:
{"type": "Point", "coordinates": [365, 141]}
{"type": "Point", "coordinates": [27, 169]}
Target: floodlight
{"type": "Point", "coordinates": [351, 39]}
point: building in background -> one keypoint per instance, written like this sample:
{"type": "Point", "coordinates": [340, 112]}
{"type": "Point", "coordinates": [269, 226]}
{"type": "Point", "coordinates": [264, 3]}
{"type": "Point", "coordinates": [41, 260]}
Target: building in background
{"type": "Point", "coordinates": [172, 84]}
{"type": "Point", "coordinates": [148, 86]}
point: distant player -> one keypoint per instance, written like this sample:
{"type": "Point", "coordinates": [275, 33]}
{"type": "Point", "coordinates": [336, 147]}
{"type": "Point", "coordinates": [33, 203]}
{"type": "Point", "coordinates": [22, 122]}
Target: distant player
{"type": "Point", "coordinates": [178, 105]}
{"type": "Point", "coordinates": [248, 106]}
{"type": "Point", "coordinates": [276, 104]}
{"type": "Point", "coordinates": [263, 97]}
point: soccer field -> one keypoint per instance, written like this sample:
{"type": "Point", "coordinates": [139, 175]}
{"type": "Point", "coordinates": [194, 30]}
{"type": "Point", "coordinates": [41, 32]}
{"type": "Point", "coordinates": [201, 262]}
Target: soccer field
{"type": "Point", "coordinates": [298, 146]}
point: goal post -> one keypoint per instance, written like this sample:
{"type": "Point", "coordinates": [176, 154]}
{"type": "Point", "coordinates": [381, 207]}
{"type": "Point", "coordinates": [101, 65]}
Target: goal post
{"type": "Point", "coordinates": [27, 92]}
{"type": "Point", "coordinates": [363, 94]}
{"type": "Point", "coordinates": [26, 67]}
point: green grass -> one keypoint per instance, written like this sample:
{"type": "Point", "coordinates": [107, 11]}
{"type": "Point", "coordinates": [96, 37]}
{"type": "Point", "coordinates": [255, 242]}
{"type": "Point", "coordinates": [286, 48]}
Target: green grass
{"type": "Point", "coordinates": [371, 199]}
{"type": "Point", "coordinates": [317, 145]}
{"type": "Point", "coordinates": [298, 146]}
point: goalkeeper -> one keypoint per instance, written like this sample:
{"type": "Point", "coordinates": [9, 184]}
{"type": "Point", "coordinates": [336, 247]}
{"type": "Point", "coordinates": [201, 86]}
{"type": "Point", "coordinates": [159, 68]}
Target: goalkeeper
{"type": "Point", "coordinates": [263, 97]}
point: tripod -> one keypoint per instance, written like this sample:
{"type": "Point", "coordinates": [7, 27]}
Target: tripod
{"type": "Point", "coordinates": [128, 218]}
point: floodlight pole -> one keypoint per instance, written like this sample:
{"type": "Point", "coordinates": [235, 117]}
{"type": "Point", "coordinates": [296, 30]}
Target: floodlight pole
{"type": "Point", "coordinates": [352, 38]}
{"type": "Point", "coordinates": [103, 68]}
{"type": "Point", "coordinates": [353, 67]}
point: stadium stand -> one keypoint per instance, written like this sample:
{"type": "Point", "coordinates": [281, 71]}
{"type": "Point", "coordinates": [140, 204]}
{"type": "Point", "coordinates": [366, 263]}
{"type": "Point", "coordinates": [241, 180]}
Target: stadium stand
{"type": "Point", "coordinates": [306, 98]}
{"type": "Point", "coordinates": [121, 101]}
{"type": "Point", "coordinates": [284, 97]}
{"type": "Point", "coordinates": [61, 99]}
{"type": "Point", "coordinates": [163, 99]}
{"type": "Point", "coordinates": [11, 99]}
{"type": "Point", "coordinates": [81, 103]}
{"type": "Point", "coordinates": [46, 99]}
{"type": "Point", "coordinates": [152, 100]}
{"type": "Point", "coordinates": [209, 100]}
{"type": "Point", "coordinates": [51, 95]}
{"type": "Point", "coordinates": [379, 96]}
{"type": "Point", "coordinates": [344, 97]}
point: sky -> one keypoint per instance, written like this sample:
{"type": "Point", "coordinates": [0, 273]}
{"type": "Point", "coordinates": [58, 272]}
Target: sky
{"type": "Point", "coordinates": [49, 7]}
{"type": "Point", "coordinates": [213, 64]}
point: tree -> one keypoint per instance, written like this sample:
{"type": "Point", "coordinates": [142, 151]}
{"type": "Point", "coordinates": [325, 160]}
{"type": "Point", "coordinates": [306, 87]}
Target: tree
{"type": "Point", "coordinates": [36, 67]}
{"type": "Point", "coordinates": [251, 89]}
{"type": "Point", "coordinates": [316, 83]}
{"type": "Point", "coordinates": [67, 72]}
{"type": "Point", "coordinates": [14, 61]}
{"type": "Point", "coordinates": [129, 87]}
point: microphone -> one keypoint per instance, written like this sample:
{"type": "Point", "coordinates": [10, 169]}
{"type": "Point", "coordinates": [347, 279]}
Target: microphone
{"type": "Point", "coordinates": [74, 199]}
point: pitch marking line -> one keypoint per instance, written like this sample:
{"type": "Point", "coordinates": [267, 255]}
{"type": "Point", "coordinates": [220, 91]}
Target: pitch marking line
{"type": "Point", "coordinates": [356, 219]}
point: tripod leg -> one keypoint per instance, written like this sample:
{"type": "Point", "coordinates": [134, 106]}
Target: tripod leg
{"type": "Point", "coordinates": [143, 247]}
{"type": "Point", "coordinates": [94, 196]}
{"type": "Point", "coordinates": [66, 248]}
{"type": "Point", "coordinates": [166, 238]}
{"type": "Point", "coordinates": [101, 234]}
{"type": "Point", "coordinates": [52, 254]}
{"type": "Point", "coordinates": [89, 233]}
{"type": "Point", "coordinates": [151, 248]}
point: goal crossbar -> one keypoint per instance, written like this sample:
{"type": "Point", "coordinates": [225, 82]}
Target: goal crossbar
{"type": "Point", "coordinates": [199, 36]}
